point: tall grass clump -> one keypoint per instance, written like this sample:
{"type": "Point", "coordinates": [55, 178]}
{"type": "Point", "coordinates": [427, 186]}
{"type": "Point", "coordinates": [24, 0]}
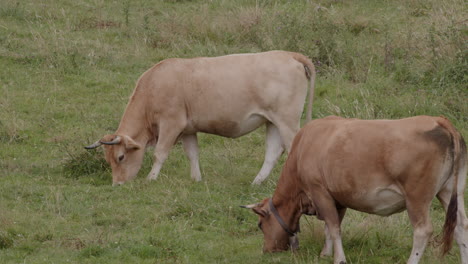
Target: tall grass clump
{"type": "Point", "coordinates": [5, 240]}
{"type": "Point", "coordinates": [86, 163]}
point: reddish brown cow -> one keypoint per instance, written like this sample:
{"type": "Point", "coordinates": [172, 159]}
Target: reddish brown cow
{"type": "Point", "coordinates": [375, 166]}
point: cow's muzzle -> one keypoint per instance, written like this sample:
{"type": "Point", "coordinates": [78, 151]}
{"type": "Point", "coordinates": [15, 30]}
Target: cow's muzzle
{"type": "Point", "coordinates": [294, 242]}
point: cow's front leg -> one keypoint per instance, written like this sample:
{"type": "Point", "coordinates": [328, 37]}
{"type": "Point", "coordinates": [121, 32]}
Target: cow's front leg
{"type": "Point", "coordinates": [327, 249]}
{"type": "Point", "coordinates": [167, 138]}
{"type": "Point", "coordinates": [190, 144]}
{"type": "Point", "coordinates": [328, 246]}
{"type": "Point", "coordinates": [159, 157]}
{"type": "Point", "coordinates": [326, 208]}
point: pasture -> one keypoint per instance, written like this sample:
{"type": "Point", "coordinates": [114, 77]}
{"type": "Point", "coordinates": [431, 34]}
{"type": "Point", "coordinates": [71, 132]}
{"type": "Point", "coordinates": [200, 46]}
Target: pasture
{"type": "Point", "coordinates": [67, 69]}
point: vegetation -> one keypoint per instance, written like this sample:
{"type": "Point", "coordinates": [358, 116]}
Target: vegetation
{"type": "Point", "coordinates": [67, 69]}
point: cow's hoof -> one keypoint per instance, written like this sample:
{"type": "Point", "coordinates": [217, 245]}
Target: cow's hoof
{"type": "Point", "coordinates": [257, 182]}
{"type": "Point", "coordinates": [151, 177]}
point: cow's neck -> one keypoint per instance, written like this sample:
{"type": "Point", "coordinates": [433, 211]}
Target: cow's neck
{"type": "Point", "coordinates": [288, 199]}
{"type": "Point", "coordinates": [134, 123]}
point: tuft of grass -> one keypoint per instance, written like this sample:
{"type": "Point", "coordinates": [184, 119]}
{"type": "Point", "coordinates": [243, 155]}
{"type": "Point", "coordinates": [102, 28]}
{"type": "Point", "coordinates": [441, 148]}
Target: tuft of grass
{"type": "Point", "coordinates": [126, 12]}
{"type": "Point", "coordinates": [92, 251]}
{"type": "Point", "coordinates": [87, 164]}
{"type": "Point", "coordinates": [357, 25]}
{"type": "Point", "coordinates": [10, 135]}
{"type": "Point", "coordinates": [6, 241]}
{"type": "Point", "coordinates": [15, 11]}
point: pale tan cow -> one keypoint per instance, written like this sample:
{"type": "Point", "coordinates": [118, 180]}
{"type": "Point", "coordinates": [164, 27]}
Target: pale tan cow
{"type": "Point", "coordinates": [375, 166]}
{"type": "Point", "coordinates": [228, 96]}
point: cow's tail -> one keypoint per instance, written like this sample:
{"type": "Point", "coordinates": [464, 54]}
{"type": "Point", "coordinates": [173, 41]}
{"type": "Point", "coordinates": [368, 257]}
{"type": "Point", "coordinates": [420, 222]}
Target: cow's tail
{"type": "Point", "coordinates": [459, 163]}
{"type": "Point", "coordinates": [310, 73]}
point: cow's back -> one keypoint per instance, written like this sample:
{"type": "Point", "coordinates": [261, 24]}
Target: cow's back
{"type": "Point", "coordinates": [228, 95]}
{"type": "Point", "coordinates": [237, 83]}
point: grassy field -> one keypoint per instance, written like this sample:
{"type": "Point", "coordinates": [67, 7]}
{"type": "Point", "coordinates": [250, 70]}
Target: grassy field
{"type": "Point", "coordinates": [67, 69]}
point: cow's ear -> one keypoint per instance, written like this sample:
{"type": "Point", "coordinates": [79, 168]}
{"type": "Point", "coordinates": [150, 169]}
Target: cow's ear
{"type": "Point", "coordinates": [261, 211]}
{"type": "Point", "coordinates": [130, 144]}
{"type": "Point", "coordinates": [258, 208]}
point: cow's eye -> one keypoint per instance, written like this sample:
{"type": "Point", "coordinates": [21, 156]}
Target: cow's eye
{"type": "Point", "coordinates": [121, 157]}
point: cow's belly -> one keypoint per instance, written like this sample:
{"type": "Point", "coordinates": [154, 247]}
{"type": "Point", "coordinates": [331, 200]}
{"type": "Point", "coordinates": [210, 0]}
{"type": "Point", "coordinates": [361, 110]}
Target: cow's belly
{"type": "Point", "coordinates": [231, 128]}
{"type": "Point", "coordinates": [382, 201]}
{"type": "Point", "coordinates": [250, 124]}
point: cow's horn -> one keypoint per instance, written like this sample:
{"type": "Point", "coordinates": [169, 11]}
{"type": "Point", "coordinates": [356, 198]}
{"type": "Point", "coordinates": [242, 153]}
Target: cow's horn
{"type": "Point", "coordinates": [94, 145]}
{"type": "Point", "coordinates": [250, 206]}
{"type": "Point", "coordinates": [115, 141]}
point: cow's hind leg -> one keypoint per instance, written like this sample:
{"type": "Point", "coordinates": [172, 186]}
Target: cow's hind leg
{"type": "Point", "coordinates": [418, 212]}
{"type": "Point", "coordinates": [287, 130]}
{"type": "Point", "coordinates": [167, 137]}
{"type": "Point", "coordinates": [273, 151]}
{"type": "Point", "coordinates": [461, 229]}
{"type": "Point", "coordinates": [190, 144]}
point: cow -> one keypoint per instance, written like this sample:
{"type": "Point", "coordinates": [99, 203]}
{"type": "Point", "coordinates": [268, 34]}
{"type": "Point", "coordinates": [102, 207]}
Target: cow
{"type": "Point", "coordinates": [228, 96]}
{"type": "Point", "coordinates": [378, 167]}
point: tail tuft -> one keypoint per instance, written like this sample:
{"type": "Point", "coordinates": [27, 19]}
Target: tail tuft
{"type": "Point", "coordinates": [450, 223]}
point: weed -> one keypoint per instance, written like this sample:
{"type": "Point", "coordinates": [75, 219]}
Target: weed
{"type": "Point", "coordinates": [357, 25]}
{"type": "Point", "coordinates": [4, 135]}
{"type": "Point", "coordinates": [126, 12]}
{"type": "Point", "coordinates": [85, 163]}
{"type": "Point", "coordinates": [145, 251]}
{"type": "Point", "coordinates": [42, 237]}
{"type": "Point", "coordinates": [17, 11]}
{"type": "Point", "coordinates": [5, 240]}
{"type": "Point", "coordinates": [92, 251]}
{"type": "Point", "coordinates": [73, 243]}
{"type": "Point", "coordinates": [8, 135]}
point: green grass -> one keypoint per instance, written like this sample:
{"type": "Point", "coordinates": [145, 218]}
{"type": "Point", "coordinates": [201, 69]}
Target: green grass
{"type": "Point", "coordinates": [67, 69]}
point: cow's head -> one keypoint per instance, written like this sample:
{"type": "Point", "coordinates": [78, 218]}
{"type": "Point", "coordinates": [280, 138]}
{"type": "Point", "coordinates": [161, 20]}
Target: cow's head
{"type": "Point", "coordinates": [275, 237]}
{"type": "Point", "coordinates": [124, 155]}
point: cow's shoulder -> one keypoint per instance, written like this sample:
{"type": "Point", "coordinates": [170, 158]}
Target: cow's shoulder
{"type": "Point", "coordinates": [326, 127]}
